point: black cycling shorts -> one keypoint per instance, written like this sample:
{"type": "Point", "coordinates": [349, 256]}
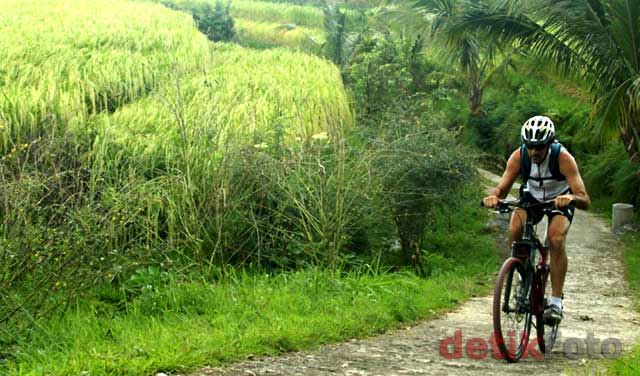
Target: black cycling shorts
{"type": "Point", "coordinates": [539, 213]}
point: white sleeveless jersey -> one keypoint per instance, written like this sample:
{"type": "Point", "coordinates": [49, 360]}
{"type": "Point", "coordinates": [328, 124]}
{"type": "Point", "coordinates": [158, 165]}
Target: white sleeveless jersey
{"type": "Point", "coordinates": [548, 188]}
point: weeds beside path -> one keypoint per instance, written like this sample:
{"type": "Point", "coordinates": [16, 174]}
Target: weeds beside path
{"type": "Point", "coordinates": [598, 308]}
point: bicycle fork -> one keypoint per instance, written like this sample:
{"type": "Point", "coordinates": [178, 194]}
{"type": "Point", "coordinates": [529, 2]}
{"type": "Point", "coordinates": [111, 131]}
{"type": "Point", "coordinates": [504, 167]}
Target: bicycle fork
{"type": "Point", "coordinates": [523, 293]}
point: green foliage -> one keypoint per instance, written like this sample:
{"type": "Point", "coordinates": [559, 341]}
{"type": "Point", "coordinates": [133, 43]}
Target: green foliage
{"type": "Point", "coordinates": [629, 364]}
{"type": "Point", "coordinates": [145, 279]}
{"type": "Point", "coordinates": [89, 198]}
{"type": "Point", "coordinates": [422, 172]}
{"type": "Point", "coordinates": [385, 70]}
{"type": "Point", "coordinates": [403, 103]}
{"type": "Point", "coordinates": [611, 174]}
{"type": "Point", "coordinates": [214, 22]}
{"type": "Point", "coordinates": [199, 163]}
{"type": "Point", "coordinates": [596, 40]}
{"type": "Point", "coordinates": [517, 95]}
{"type": "Point", "coordinates": [218, 25]}
{"type": "Point", "coordinates": [46, 253]}
{"type": "Point", "coordinates": [351, 4]}
{"type": "Point", "coordinates": [312, 202]}
{"type": "Point", "coordinates": [185, 324]}
{"type": "Point", "coordinates": [335, 27]}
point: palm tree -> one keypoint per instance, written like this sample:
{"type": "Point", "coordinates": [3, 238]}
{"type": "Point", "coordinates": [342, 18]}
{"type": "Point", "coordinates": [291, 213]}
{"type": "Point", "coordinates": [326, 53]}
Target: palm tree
{"type": "Point", "coordinates": [598, 40]}
{"type": "Point", "coordinates": [334, 24]}
{"type": "Point", "coordinates": [473, 55]}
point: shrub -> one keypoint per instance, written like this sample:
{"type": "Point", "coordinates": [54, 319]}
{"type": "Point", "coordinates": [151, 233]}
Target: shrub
{"type": "Point", "coordinates": [217, 25]}
{"type": "Point", "coordinates": [612, 174]}
{"type": "Point", "coordinates": [421, 172]}
{"type": "Point", "coordinates": [214, 22]}
{"type": "Point", "coordinates": [314, 202]}
{"type": "Point", "coordinates": [380, 74]}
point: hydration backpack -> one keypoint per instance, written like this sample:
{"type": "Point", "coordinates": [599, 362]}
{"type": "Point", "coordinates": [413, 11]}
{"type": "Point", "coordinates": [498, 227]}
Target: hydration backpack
{"type": "Point", "coordinates": [554, 166]}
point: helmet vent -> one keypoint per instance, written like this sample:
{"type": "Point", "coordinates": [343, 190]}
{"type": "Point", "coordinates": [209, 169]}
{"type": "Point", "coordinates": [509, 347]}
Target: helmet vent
{"type": "Point", "coordinates": [538, 130]}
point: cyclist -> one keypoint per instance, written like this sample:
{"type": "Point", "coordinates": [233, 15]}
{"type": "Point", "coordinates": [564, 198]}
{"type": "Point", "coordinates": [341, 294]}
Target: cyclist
{"type": "Point", "coordinates": [549, 172]}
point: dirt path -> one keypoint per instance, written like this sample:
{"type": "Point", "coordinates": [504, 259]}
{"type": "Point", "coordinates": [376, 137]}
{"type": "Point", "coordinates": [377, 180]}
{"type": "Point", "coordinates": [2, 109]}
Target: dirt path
{"type": "Point", "coordinates": [597, 308]}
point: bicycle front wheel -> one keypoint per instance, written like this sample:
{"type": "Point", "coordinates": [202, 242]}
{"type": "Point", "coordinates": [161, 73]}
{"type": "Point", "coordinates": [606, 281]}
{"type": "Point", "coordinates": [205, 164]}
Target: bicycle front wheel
{"type": "Point", "coordinates": [511, 309]}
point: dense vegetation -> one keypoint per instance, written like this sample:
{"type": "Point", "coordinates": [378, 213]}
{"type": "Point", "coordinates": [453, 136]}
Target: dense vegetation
{"type": "Point", "coordinates": [630, 363]}
{"type": "Point", "coordinates": [117, 148]}
{"type": "Point", "coordinates": [151, 175]}
{"type": "Point", "coordinates": [144, 157]}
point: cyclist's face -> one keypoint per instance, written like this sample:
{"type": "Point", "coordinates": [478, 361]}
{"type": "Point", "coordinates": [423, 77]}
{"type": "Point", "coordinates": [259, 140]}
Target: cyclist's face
{"type": "Point", "coordinates": [537, 156]}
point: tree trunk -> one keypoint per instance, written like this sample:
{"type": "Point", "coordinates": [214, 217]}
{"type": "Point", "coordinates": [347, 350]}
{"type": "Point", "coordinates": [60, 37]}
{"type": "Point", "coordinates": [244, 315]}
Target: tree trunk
{"type": "Point", "coordinates": [630, 137]}
{"type": "Point", "coordinates": [475, 92]}
{"type": "Point", "coordinates": [475, 100]}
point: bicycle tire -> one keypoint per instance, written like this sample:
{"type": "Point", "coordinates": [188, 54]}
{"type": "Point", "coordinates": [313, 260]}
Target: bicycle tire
{"type": "Point", "coordinates": [511, 314]}
{"type": "Point", "coordinates": [546, 334]}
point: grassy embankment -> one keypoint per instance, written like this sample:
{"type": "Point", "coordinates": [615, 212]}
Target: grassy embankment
{"type": "Point", "coordinates": [629, 364]}
{"type": "Point", "coordinates": [182, 325]}
{"type": "Point", "coordinates": [165, 320]}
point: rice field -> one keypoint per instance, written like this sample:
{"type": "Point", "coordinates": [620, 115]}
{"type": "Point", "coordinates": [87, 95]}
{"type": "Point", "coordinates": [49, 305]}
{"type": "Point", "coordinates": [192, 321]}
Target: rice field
{"type": "Point", "coordinates": [63, 61]}
{"type": "Point", "coordinates": [68, 61]}
{"type": "Point", "coordinates": [270, 91]}
{"type": "Point", "coordinates": [268, 35]}
{"type": "Point", "coordinates": [262, 24]}
{"type": "Point", "coordinates": [300, 15]}
{"type": "Point", "coordinates": [155, 100]}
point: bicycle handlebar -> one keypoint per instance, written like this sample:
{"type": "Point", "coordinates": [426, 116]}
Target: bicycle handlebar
{"type": "Point", "coordinates": [505, 206]}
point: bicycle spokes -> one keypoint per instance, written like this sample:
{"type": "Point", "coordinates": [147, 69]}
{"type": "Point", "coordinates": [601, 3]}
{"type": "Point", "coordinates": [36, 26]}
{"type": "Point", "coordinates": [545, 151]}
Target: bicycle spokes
{"type": "Point", "coordinates": [512, 316]}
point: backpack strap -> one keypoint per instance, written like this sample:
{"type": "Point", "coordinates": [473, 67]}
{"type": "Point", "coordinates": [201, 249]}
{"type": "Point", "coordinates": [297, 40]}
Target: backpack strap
{"type": "Point", "coordinates": [554, 166]}
{"type": "Point", "coordinates": [525, 164]}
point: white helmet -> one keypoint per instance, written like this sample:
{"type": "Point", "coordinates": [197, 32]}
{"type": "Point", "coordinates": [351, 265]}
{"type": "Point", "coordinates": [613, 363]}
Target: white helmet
{"type": "Point", "coordinates": [538, 130]}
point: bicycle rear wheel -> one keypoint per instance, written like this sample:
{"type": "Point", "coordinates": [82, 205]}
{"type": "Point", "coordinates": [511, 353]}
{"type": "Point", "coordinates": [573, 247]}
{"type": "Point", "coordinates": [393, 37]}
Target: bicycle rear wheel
{"type": "Point", "coordinates": [511, 311]}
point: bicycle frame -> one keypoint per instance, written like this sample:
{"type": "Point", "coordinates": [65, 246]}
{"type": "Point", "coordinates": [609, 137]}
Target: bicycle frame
{"type": "Point", "coordinates": [527, 249]}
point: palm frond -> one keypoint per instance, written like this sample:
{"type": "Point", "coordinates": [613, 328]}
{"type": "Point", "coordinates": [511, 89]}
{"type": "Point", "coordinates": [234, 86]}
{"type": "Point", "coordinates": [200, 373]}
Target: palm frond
{"type": "Point", "coordinates": [609, 113]}
{"type": "Point", "coordinates": [625, 29]}
{"type": "Point", "coordinates": [634, 94]}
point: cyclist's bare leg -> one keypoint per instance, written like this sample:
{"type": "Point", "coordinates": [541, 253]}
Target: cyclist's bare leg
{"type": "Point", "coordinates": [557, 236]}
{"type": "Point", "coordinates": [516, 225]}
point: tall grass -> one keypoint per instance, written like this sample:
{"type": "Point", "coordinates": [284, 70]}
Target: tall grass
{"type": "Point", "coordinates": [171, 325]}
{"type": "Point", "coordinates": [300, 15]}
{"type": "Point", "coordinates": [184, 138]}
{"type": "Point", "coordinates": [126, 138]}
{"type": "Point", "coordinates": [629, 364]}
{"type": "Point", "coordinates": [259, 34]}
{"type": "Point", "coordinates": [246, 95]}
{"type": "Point", "coordinates": [62, 63]}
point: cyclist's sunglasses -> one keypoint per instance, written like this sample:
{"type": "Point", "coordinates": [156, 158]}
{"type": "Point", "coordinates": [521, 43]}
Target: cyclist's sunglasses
{"type": "Point", "coordinates": [537, 147]}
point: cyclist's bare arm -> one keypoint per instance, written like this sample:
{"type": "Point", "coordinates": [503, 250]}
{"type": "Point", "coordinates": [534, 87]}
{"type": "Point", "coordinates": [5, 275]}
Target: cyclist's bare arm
{"type": "Point", "coordinates": [569, 168]}
{"type": "Point", "coordinates": [510, 175]}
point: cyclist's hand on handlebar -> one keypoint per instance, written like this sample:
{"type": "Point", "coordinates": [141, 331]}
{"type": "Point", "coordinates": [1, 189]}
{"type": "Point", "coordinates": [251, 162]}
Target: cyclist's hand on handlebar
{"type": "Point", "coordinates": [490, 201]}
{"type": "Point", "coordinates": [563, 201]}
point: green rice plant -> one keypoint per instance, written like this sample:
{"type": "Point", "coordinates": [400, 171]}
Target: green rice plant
{"type": "Point", "coordinates": [242, 92]}
{"type": "Point", "coordinates": [349, 4]}
{"type": "Point", "coordinates": [268, 12]}
{"type": "Point", "coordinates": [268, 35]}
{"type": "Point", "coordinates": [129, 122]}
{"type": "Point", "coordinates": [62, 63]}
{"type": "Point", "coordinates": [181, 138]}
{"type": "Point", "coordinates": [300, 15]}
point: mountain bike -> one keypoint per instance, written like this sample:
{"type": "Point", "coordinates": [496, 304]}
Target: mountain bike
{"type": "Point", "coordinates": [522, 289]}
